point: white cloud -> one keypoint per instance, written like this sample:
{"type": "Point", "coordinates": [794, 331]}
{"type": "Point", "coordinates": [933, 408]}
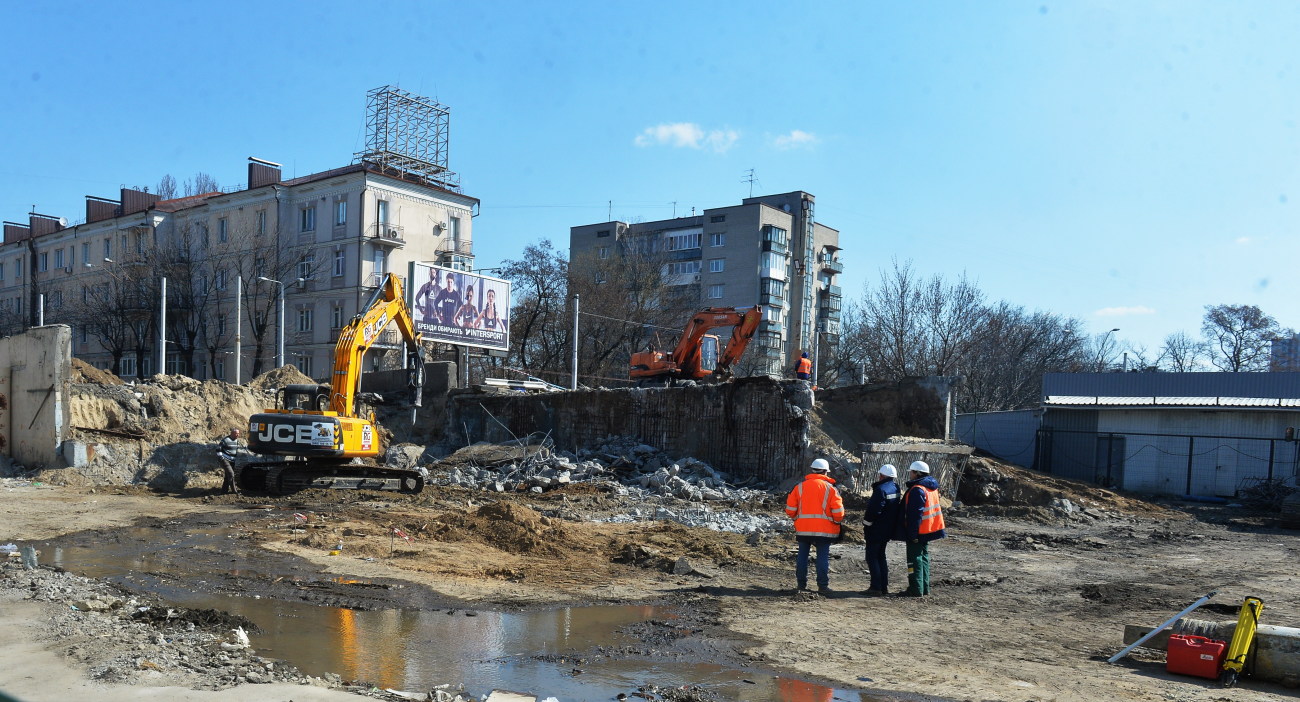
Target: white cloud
{"type": "Point", "coordinates": [687, 135]}
{"type": "Point", "coordinates": [796, 139]}
{"type": "Point", "coordinates": [1123, 311]}
{"type": "Point", "coordinates": [1242, 240]}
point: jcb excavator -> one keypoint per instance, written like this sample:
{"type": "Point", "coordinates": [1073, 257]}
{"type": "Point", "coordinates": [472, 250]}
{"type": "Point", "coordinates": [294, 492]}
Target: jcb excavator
{"type": "Point", "coordinates": [319, 431]}
{"type": "Point", "coordinates": [697, 356]}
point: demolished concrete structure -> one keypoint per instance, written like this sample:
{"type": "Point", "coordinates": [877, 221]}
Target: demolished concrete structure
{"type": "Point", "coordinates": [34, 394]}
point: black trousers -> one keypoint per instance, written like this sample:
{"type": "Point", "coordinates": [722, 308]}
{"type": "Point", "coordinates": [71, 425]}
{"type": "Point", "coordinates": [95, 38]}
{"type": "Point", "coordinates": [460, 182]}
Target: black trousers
{"type": "Point", "coordinates": [228, 484]}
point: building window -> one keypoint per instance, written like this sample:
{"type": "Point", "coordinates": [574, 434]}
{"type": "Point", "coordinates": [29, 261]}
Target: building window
{"type": "Point", "coordinates": [718, 239]}
{"type": "Point", "coordinates": [336, 316]}
{"type": "Point", "coordinates": [381, 263]}
{"type": "Point", "coordinates": [18, 267]}
{"type": "Point", "coordinates": [307, 219]}
{"type": "Point", "coordinates": [85, 254]}
{"type": "Point", "coordinates": [58, 258]}
{"type": "Point", "coordinates": [223, 230]}
{"type": "Point", "coordinates": [340, 261]}
{"type": "Point", "coordinates": [715, 291]}
{"type": "Point", "coordinates": [340, 212]}
{"type": "Point", "coordinates": [108, 247]}
{"type": "Point", "coordinates": [716, 265]}
{"type": "Point", "coordinates": [774, 261]}
{"type": "Point", "coordinates": [602, 233]}
{"type": "Point", "coordinates": [600, 277]}
{"type": "Point", "coordinates": [304, 364]}
{"type": "Point", "coordinates": [603, 252]}
{"type": "Point", "coordinates": [221, 324]}
{"type": "Point", "coordinates": [85, 293]}
{"type": "Point", "coordinates": [2, 272]}
{"type": "Point", "coordinates": [85, 334]}
{"type": "Point", "coordinates": [259, 266]}
{"type": "Point", "coordinates": [128, 367]}
{"type": "Point", "coordinates": [56, 298]}
{"type": "Point", "coordinates": [381, 207]}
{"type": "Point", "coordinates": [305, 265]}
{"type": "Point", "coordinates": [679, 241]}
{"type": "Point", "coordinates": [776, 235]}
{"type": "Point", "coordinates": [43, 261]}
{"type": "Point", "coordinates": [718, 218]}
{"type": "Point", "coordinates": [221, 280]}
{"type": "Point", "coordinates": [305, 316]}
{"type": "Point", "coordinates": [773, 288]}
{"type": "Point", "coordinates": [220, 369]}
{"type": "Point", "coordinates": [261, 222]}
{"type": "Point", "coordinates": [682, 268]}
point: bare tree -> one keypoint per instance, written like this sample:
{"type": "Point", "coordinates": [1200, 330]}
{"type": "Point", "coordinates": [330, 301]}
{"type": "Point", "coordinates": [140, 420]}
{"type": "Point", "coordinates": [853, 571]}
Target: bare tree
{"type": "Point", "coordinates": [1104, 349]}
{"type": "Point", "coordinates": [201, 183]}
{"type": "Point", "coordinates": [539, 330]}
{"type": "Point", "coordinates": [1239, 337]}
{"type": "Point", "coordinates": [167, 187]}
{"type": "Point", "coordinates": [1181, 353]}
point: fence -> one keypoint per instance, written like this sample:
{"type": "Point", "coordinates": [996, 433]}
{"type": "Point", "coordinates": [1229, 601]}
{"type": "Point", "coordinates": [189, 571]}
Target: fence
{"type": "Point", "coordinates": [1174, 464]}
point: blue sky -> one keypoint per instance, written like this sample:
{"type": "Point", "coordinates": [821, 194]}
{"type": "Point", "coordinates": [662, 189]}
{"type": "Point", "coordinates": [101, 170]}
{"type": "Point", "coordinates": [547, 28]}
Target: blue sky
{"type": "Point", "coordinates": [1126, 163]}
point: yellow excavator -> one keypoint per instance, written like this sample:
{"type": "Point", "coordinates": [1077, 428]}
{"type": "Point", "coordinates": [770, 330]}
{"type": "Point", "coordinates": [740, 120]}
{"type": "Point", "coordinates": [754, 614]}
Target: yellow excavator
{"type": "Point", "coordinates": [317, 436]}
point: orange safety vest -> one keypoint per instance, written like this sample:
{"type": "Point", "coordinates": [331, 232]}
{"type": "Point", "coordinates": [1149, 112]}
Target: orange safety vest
{"type": "Point", "coordinates": [816, 506]}
{"type": "Point", "coordinates": [805, 366]}
{"type": "Point", "coordinates": [931, 515]}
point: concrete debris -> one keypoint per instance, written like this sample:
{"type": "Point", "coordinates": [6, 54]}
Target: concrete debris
{"type": "Point", "coordinates": [621, 465]}
{"type": "Point", "coordinates": [735, 521]}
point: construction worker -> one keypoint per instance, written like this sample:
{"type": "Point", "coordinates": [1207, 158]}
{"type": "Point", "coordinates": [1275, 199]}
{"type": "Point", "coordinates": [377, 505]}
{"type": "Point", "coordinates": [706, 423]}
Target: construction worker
{"type": "Point", "coordinates": [922, 522]}
{"type": "Point", "coordinates": [817, 509]}
{"type": "Point", "coordinates": [881, 520]}
{"type": "Point", "coordinates": [227, 449]}
{"type": "Point", "coordinates": [803, 368]}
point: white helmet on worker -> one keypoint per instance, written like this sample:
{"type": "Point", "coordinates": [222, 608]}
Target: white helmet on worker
{"type": "Point", "coordinates": [920, 467]}
{"type": "Point", "coordinates": [888, 471]}
{"type": "Point", "coordinates": [821, 466]}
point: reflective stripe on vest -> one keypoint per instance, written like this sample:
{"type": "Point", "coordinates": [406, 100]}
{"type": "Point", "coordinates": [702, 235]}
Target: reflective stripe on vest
{"type": "Point", "coordinates": [820, 523]}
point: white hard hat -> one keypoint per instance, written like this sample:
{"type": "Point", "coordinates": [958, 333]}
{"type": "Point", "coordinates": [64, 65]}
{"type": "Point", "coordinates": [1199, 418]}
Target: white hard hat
{"type": "Point", "coordinates": [888, 471]}
{"type": "Point", "coordinates": [920, 467]}
{"type": "Point", "coordinates": [821, 466]}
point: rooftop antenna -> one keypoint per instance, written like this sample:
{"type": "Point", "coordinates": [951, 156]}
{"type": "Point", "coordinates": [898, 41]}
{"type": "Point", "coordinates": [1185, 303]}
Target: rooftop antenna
{"type": "Point", "coordinates": [611, 212]}
{"type": "Point", "coordinates": [749, 178]}
{"type": "Point", "coordinates": [674, 203]}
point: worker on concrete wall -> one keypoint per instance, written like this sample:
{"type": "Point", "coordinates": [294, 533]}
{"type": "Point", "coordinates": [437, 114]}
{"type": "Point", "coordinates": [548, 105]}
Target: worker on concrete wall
{"type": "Point", "coordinates": [881, 520]}
{"type": "Point", "coordinates": [803, 367]}
{"type": "Point", "coordinates": [817, 509]}
{"type": "Point", "coordinates": [227, 449]}
{"type": "Point", "coordinates": [922, 522]}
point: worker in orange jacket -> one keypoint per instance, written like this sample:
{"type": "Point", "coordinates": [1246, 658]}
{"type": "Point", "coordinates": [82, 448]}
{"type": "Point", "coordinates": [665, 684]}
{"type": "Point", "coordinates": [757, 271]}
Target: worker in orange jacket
{"type": "Point", "coordinates": [921, 522]}
{"type": "Point", "coordinates": [817, 510]}
{"type": "Point", "coordinates": [803, 367]}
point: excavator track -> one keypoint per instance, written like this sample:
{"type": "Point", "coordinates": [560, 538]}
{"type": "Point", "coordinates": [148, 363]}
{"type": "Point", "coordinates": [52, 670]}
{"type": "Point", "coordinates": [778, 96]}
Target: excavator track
{"type": "Point", "coordinates": [288, 477]}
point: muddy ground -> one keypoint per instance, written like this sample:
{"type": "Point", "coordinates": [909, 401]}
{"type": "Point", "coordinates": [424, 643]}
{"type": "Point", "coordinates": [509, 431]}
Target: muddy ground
{"type": "Point", "coordinates": [1027, 601]}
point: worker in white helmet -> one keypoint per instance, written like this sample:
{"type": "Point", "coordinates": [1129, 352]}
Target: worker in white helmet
{"type": "Point", "coordinates": [817, 509]}
{"type": "Point", "coordinates": [922, 522]}
{"type": "Point", "coordinates": [881, 520]}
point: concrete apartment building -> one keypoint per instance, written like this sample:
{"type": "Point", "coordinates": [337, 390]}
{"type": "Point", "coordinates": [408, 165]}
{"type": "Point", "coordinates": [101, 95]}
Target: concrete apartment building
{"type": "Point", "coordinates": [341, 230]}
{"type": "Point", "coordinates": [768, 250]}
{"type": "Point", "coordinates": [1284, 353]}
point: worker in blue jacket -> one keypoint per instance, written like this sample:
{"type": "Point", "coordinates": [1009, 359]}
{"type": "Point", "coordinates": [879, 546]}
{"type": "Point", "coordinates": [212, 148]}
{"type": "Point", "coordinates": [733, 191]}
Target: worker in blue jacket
{"type": "Point", "coordinates": [881, 520]}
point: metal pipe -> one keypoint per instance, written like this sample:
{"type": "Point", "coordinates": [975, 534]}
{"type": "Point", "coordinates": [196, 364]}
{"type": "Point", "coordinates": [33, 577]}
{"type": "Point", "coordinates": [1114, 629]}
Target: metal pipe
{"type": "Point", "coordinates": [162, 328]}
{"type": "Point", "coordinates": [1161, 628]}
{"type": "Point", "coordinates": [239, 305]}
{"type": "Point", "coordinates": [40, 309]}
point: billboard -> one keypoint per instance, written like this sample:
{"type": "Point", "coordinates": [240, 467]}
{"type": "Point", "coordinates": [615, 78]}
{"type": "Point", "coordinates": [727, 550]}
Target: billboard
{"type": "Point", "coordinates": [455, 307]}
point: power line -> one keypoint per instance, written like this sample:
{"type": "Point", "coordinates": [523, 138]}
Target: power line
{"type": "Point", "coordinates": [627, 321]}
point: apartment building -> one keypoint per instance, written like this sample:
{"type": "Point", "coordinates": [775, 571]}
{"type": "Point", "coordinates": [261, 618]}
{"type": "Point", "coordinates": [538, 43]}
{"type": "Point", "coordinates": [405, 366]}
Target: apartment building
{"type": "Point", "coordinates": [325, 239]}
{"type": "Point", "coordinates": [1284, 353]}
{"type": "Point", "coordinates": [768, 250]}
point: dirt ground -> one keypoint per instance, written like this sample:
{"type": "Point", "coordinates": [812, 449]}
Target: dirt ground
{"type": "Point", "coordinates": [1028, 601]}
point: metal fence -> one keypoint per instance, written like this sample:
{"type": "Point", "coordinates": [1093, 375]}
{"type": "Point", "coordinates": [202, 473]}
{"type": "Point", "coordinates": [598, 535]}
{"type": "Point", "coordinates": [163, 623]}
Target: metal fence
{"type": "Point", "coordinates": [1167, 463]}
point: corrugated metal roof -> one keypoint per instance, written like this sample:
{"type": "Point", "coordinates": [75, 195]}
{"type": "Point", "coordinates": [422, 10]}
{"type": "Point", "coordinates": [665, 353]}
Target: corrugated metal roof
{"type": "Point", "coordinates": [1286, 385]}
{"type": "Point", "coordinates": [1123, 401]}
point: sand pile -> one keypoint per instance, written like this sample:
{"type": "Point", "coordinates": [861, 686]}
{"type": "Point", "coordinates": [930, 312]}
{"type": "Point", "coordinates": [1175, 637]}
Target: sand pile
{"type": "Point", "coordinates": [507, 527]}
{"type": "Point", "coordinates": [83, 372]}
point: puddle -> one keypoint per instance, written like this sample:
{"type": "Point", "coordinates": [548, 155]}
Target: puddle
{"type": "Point", "coordinates": [571, 653]}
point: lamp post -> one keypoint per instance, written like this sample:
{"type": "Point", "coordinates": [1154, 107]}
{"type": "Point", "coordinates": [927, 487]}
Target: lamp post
{"type": "Point", "coordinates": [279, 347]}
{"type": "Point", "coordinates": [1105, 339]}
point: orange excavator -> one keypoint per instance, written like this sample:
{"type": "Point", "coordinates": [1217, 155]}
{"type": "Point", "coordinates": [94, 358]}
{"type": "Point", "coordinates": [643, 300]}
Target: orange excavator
{"type": "Point", "coordinates": [318, 436]}
{"type": "Point", "coordinates": [697, 356]}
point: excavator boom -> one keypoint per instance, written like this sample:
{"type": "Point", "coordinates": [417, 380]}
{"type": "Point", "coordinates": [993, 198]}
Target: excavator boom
{"type": "Point", "coordinates": [687, 359]}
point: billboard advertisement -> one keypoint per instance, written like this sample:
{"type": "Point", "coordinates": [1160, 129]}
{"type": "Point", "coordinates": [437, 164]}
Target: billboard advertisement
{"type": "Point", "coordinates": [455, 307]}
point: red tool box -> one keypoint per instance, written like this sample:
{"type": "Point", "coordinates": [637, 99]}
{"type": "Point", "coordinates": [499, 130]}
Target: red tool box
{"type": "Point", "coordinates": [1195, 655]}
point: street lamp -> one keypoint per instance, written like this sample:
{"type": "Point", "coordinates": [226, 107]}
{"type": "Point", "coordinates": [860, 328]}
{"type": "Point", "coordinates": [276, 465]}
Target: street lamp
{"type": "Point", "coordinates": [279, 348]}
{"type": "Point", "coordinates": [1105, 339]}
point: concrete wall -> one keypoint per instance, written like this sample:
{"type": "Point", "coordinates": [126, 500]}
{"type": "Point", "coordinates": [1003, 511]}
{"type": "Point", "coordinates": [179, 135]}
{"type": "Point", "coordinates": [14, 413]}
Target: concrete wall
{"type": "Point", "coordinates": [35, 369]}
{"type": "Point", "coordinates": [751, 427]}
{"type": "Point", "coordinates": [868, 413]}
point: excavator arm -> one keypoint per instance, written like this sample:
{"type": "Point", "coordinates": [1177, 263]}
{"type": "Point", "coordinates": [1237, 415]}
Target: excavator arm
{"type": "Point", "coordinates": [386, 306]}
{"type": "Point", "coordinates": [687, 355]}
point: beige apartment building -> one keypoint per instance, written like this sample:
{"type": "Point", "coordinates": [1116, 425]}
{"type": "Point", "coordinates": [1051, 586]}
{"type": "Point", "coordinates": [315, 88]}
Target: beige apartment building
{"type": "Point", "coordinates": [768, 250]}
{"type": "Point", "coordinates": [327, 238]}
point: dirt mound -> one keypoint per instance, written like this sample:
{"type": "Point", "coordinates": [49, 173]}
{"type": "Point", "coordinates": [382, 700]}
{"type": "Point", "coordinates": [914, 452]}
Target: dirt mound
{"type": "Point", "coordinates": [278, 378]}
{"type": "Point", "coordinates": [507, 527]}
{"type": "Point", "coordinates": [988, 481]}
{"type": "Point", "coordinates": [83, 372]}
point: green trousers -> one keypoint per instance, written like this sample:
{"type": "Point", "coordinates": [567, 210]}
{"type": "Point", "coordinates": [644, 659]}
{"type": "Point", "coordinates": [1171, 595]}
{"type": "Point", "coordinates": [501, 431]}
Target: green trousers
{"type": "Point", "coordinates": [918, 569]}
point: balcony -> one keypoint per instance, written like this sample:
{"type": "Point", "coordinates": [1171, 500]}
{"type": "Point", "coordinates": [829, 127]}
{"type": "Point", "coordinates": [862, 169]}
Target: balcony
{"type": "Point", "coordinates": [832, 291]}
{"type": "Point", "coordinates": [375, 280]}
{"type": "Point", "coordinates": [458, 248]}
{"type": "Point", "coordinates": [770, 300]}
{"type": "Point", "coordinates": [834, 265]}
{"type": "Point", "coordinates": [775, 246]}
{"type": "Point", "coordinates": [387, 235]}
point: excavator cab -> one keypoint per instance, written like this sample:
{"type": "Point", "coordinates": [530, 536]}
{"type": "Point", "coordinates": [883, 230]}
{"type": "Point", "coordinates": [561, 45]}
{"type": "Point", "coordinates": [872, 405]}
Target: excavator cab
{"type": "Point", "coordinates": [709, 353]}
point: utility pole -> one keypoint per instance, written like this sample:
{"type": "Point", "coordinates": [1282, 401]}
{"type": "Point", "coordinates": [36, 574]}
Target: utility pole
{"type": "Point", "coordinates": [40, 310]}
{"type": "Point", "coordinates": [573, 380]}
{"type": "Point", "coordinates": [162, 328]}
{"type": "Point", "coordinates": [239, 304]}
